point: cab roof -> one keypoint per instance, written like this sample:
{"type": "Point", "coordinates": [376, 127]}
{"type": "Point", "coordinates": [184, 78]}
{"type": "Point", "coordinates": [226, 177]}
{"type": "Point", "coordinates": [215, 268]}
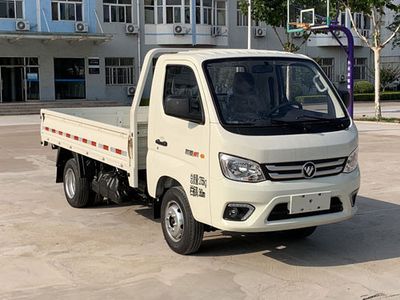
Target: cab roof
{"type": "Point", "coordinates": [207, 54]}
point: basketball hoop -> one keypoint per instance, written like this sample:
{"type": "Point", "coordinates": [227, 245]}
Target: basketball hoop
{"type": "Point", "coordinates": [302, 16]}
{"type": "Point", "coordinates": [304, 26]}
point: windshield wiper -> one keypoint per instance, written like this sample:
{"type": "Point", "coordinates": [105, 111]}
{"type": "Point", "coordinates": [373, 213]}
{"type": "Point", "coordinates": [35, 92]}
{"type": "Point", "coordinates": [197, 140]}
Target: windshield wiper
{"type": "Point", "coordinates": [298, 125]}
{"type": "Point", "coordinates": [313, 117]}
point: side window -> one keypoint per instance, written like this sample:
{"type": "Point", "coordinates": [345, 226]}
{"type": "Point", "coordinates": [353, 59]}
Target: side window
{"type": "Point", "coordinates": [182, 95]}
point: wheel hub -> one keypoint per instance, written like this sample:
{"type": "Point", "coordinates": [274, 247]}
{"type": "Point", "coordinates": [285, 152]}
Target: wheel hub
{"type": "Point", "coordinates": [70, 183]}
{"type": "Point", "coordinates": [174, 221]}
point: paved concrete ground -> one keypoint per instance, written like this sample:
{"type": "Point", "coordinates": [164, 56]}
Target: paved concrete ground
{"type": "Point", "coordinates": [49, 250]}
{"type": "Point", "coordinates": [390, 109]}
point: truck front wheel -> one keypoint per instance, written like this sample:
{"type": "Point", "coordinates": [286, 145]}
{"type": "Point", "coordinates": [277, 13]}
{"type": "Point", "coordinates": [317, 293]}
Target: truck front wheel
{"type": "Point", "coordinates": [181, 231]}
{"type": "Point", "coordinates": [76, 189]}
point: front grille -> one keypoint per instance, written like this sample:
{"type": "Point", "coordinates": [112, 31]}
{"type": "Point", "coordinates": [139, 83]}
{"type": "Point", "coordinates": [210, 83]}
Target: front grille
{"type": "Point", "coordinates": [294, 170]}
{"type": "Point", "coordinates": [281, 211]}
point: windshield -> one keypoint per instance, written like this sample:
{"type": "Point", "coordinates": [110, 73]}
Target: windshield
{"type": "Point", "coordinates": [290, 94]}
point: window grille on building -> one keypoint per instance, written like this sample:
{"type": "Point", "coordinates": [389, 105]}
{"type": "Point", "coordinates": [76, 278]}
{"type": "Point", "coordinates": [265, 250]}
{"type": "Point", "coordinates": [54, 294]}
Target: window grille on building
{"type": "Point", "coordinates": [120, 70]}
{"type": "Point", "coordinates": [11, 9]}
{"type": "Point", "coordinates": [179, 11]}
{"type": "Point", "coordinates": [327, 65]}
{"type": "Point", "coordinates": [242, 19]}
{"type": "Point", "coordinates": [117, 11]}
{"type": "Point", "coordinates": [66, 10]}
{"type": "Point", "coordinates": [220, 7]}
{"type": "Point", "coordinates": [204, 12]}
{"type": "Point", "coordinates": [360, 68]}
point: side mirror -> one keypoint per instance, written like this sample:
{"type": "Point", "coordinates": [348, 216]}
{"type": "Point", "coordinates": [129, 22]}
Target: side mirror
{"type": "Point", "coordinates": [345, 96]}
{"type": "Point", "coordinates": [184, 108]}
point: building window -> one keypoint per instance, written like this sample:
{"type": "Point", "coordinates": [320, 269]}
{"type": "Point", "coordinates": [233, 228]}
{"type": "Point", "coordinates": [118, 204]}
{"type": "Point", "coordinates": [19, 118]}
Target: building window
{"type": "Point", "coordinates": [186, 11]}
{"type": "Point", "coordinates": [207, 12]}
{"type": "Point", "coordinates": [120, 71]}
{"type": "Point", "coordinates": [220, 13]}
{"type": "Point", "coordinates": [117, 11]}
{"type": "Point", "coordinates": [241, 19]}
{"type": "Point", "coordinates": [360, 69]}
{"type": "Point", "coordinates": [357, 20]}
{"type": "Point", "coordinates": [343, 17]}
{"type": "Point", "coordinates": [204, 12]}
{"type": "Point", "coordinates": [69, 79]}
{"type": "Point", "coordinates": [160, 11]}
{"type": "Point", "coordinates": [11, 9]}
{"type": "Point", "coordinates": [153, 12]}
{"type": "Point", "coordinates": [66, 10]}
{"type": "Point", "coordinates": [327, 65]}
{"type": "Point", "coordinates": [174, 11]}
{"type": "Point", "coordinates": [20, 79]}
{"type": "Point", "coordinates": [170, 12]}
{"type": "Point", "coordinates": [149, 12]}
{"type": "Point", "coordinates": [180, 11]}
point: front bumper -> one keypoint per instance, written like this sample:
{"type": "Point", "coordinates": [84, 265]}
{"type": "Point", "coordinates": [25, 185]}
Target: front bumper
{"type": "Point", "coordinates": [265, 196]}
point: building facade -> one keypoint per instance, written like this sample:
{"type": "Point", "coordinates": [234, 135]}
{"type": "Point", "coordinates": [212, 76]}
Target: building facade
{"type": "Point", "coordinates": [93, 50]}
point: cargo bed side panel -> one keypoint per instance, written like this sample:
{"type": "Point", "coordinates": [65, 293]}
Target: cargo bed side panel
{"type": "Point", "coordinates": [99, 141]}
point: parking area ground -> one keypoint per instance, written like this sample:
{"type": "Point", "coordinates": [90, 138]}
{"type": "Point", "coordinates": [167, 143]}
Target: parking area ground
{"type": "Point", "coordinates": [49, 250]}
{"type": "Point", "coordinates": [390, 109]}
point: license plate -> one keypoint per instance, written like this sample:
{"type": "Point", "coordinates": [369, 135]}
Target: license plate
{"type": "Point", "coordinates": [309, 203]}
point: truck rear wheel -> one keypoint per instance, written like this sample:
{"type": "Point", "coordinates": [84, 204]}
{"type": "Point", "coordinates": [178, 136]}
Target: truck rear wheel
{"type": "Point", "coordinates": [181, 231]}
{"type": "Point", "coordinates": [76, 189]}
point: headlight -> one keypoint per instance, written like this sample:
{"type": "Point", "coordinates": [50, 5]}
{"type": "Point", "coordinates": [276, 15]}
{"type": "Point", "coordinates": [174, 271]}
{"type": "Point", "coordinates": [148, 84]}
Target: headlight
{"type": "Point", "coordinates": [240, 169]}
{"type": "Point", "coordinates": [352, 162]}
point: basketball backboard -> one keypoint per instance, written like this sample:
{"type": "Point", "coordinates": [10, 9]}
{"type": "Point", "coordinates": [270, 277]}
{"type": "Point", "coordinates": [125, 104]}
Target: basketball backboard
{"type": "Point", "coordinates": [308, 14]}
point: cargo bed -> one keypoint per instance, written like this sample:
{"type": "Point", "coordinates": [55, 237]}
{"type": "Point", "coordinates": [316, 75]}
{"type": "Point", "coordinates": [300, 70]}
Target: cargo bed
{"type": "Point", "coordinates": [99, 133]}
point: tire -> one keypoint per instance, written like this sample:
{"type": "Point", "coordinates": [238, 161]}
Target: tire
{"type": "Point", "coordinates": [181, 231]}
{"type": "Point", "coordinates": [301, 233]}
{"type": "Point", "coordinates": [76, 189]}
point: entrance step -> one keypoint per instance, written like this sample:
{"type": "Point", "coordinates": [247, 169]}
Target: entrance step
{"type": "Point", "coordinates": [34, 107]}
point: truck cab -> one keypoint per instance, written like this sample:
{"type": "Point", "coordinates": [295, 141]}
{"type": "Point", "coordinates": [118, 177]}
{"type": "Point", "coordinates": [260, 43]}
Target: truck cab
{"type": "Point", "coordinates": [237, 140]}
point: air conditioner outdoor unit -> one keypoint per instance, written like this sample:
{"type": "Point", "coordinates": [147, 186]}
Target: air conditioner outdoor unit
{"type": "Point", "coordinates": [130, 90]}
{"type": "Point", "coordinates": [81, 27]}
{"type": "Point", "coordinates": [298, 34]}
{"type": "Point", "coordinates": [22, 25]}
{"type": "Point", "coordinates": [180, 29]}
{"type": "Point", "coordinates": [337, 33]}
{"type": "Point", "coordinates": [260, 32]}
{"type": "Point", "coordinates": [217, 31]}
{"type": "Point", "coordinates": [131, 29]}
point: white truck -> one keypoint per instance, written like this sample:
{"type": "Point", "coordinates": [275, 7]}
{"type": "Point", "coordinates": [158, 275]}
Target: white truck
{"type": "Point", "coordinates": [236, 140]}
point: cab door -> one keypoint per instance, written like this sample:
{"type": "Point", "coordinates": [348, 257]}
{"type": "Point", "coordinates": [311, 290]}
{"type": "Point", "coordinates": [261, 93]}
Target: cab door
{"type": "Point", "coordinates": [179, 135]}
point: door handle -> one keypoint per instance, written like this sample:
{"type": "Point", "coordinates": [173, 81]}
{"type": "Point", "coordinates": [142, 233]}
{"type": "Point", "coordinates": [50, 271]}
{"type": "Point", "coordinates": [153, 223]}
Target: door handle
{"type": "Point", "coordinates": [161, 143]}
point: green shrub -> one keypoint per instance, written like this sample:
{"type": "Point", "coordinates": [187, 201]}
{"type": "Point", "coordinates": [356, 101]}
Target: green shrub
{"type": "Point", "coordinates": [386, 96]}
{"type": "Point", "coordinates": [363, 87]}
{"type": "Point", "coordinates": [312, 99]}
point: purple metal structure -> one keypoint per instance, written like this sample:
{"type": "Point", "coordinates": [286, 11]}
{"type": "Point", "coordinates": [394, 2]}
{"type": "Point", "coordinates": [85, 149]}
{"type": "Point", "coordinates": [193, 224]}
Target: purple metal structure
{"type": "Point", "coordinates": [334, 27]}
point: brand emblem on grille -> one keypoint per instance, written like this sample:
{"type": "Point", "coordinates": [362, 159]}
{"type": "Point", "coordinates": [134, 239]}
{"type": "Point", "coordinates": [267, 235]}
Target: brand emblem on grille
{"type": "Point", "coordinates": [309, 170]}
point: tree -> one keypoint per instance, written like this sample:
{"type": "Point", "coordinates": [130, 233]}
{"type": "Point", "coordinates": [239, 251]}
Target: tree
{"type": "Point", "coordinates": [381, 36]}
{"type": "Point", "coordinates": [274, 13]}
